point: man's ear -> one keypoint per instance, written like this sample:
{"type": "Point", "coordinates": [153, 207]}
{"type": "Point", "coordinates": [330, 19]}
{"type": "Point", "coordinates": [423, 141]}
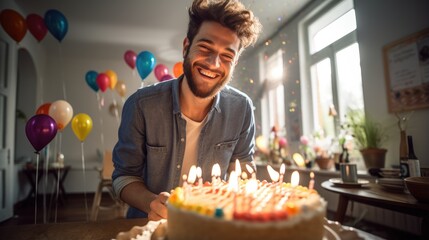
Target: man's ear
{"type": "Point", "coordinates": [186, 44]}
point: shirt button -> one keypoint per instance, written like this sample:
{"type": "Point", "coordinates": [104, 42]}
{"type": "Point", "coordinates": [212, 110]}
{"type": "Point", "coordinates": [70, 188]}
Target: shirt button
{"type": "Point", "coordinates": [182, 139]}
{"type": "Point", "coordinates": [178, 166]}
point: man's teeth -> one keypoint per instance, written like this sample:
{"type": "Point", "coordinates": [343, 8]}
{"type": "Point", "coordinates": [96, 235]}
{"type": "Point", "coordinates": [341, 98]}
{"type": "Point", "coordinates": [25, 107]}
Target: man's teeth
{"type": "Point", "coordinates": [208, 74]}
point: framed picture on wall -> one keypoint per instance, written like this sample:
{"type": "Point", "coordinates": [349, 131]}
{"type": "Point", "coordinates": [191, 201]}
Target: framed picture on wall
{"type": "Point", "coordinates": [406, 69]}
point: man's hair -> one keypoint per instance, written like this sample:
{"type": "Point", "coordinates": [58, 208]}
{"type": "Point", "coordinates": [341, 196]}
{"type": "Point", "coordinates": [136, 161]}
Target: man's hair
{"type": "Point", "coordinates": [229, 13]}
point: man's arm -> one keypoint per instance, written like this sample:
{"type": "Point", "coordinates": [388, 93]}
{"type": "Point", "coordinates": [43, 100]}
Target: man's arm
{"type": "Point", "coordinates": [137, 195]}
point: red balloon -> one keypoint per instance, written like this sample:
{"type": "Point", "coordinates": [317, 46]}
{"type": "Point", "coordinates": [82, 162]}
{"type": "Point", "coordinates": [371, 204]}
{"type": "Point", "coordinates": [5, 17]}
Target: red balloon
{"type": "Point", "coordinates": [130, 58]}
{"type": "Point", "coordinates": [14, 24]}
{"type": "Point", "coordinates": [103, 81]}
{"type": "Point", "coordinates": [160, 71]}
{"type": "Point", "coordinates": [36, 26]}
{"type": "Point", "coordinates": [44, 109]}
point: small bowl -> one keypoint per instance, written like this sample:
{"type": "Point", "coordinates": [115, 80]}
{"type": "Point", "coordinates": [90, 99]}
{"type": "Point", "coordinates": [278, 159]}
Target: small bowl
{"type": "Point", "coordinates": [418, 187]}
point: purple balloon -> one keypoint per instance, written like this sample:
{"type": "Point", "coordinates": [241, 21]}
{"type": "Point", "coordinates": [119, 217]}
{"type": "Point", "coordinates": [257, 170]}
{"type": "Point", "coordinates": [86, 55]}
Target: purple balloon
{"type": "Point", "coordinates": [166, 77]}
{"type": "Point", "coordinates": [40, 130]}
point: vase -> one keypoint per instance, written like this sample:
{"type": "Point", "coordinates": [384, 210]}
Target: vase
{"type": "Point", "coordinates": [324, 163]}
{"type": "Point", "coordinates": [374, 157]}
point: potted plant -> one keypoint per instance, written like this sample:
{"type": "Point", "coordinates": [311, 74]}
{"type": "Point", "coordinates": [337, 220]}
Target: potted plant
{"type": "Point", "coordinates": [369, 136]}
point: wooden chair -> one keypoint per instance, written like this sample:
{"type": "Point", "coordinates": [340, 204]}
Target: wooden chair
{"type": "Point", "coordinates": [106, 183]}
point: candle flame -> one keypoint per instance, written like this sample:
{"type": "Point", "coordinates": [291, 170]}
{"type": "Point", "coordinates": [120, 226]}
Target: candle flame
{"type": "Point", "coordinates": [233, 182]}
{"type": "Point", "coordinates": [249, 169]}
{"type": "Point", "coordinates": [274, 175]}
{"type": "Point", "coordinates": [282, 169]}
{"type": "Point", "coordinates": [251, 186]}
{"type": "Point", "coordinates": [294, 181]}
{"type": "Point", "coordinates": [192, 174]}
{"type": "Point", "coordinates": [299, 160]}
{"type": "Point", "coordinates": [216, 170]}
{"type": "Point", "coordinates": [199, 172]}
{"type": "Point", "coordinates": [237, 167]}
{"type": "Point", "coordinates": [312, 175]}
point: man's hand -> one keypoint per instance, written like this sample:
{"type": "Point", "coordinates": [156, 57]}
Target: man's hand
{"type": "Point", "coordinates": [158, 209]}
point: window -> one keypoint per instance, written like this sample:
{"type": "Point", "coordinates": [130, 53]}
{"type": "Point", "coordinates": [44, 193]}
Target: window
{"type": "Point", "coordinates": [332, 68]}
{"type": "Point", "coordinates": [273, 103]}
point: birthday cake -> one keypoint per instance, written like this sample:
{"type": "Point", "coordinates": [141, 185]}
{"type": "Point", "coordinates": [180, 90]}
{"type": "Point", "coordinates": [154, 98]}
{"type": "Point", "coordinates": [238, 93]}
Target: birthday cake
{"type": "Point", "coordinates": [248, 209]}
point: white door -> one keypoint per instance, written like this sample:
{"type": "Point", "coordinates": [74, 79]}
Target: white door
{"type": "Point", "coordinates": [8, 78]}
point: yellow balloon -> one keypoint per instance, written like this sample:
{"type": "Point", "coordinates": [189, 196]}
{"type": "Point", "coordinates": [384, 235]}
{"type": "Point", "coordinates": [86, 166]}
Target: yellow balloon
{"type": "Point", "coordinates": [113, 78]}
{"type": "Point", "coordinates": [121, 88]}
{"type": "Point", "coordinates": [81, 125]}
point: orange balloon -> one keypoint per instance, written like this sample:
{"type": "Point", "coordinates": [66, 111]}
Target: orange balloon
{"type": "Point", "coordinates": [178, 69]}
{"type": "Point", "coordinates": [121, 88]}
{"type": "Point", "coordinates": [44, 109]}
{"type": "Point", "coordinates": [113, 78]}
{"type": "Point", "coordinates": [14, 24]}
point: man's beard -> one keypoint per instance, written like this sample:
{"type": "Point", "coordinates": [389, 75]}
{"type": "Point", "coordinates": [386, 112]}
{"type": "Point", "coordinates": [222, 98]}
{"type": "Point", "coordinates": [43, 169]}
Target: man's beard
{"type": "Point", "coordinates": [198, 92]}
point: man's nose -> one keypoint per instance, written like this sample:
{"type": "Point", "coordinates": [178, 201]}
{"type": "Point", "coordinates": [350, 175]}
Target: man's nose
{"type": "Point", "coordinates": [214, 59]}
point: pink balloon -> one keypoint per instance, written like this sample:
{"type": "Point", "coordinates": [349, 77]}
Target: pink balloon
{"type": "Point", "coordinates": [130, 58]}
{"type": "Point", "coordinates": [166, 77]}
{"type": "Point", "coordinates": [36, 26]}
{"type": "Point", "coordinates": [160, 71]}
{"type": "Point", "coordinates": [103, 81]}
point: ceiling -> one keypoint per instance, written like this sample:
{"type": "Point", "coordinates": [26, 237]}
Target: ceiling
{"type": "Point", "coordinates": [109, 27]}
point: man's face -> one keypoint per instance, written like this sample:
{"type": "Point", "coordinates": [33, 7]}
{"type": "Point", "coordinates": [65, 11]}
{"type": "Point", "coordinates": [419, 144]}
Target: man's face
{"type": "Point", "coordinates": [210, 59]}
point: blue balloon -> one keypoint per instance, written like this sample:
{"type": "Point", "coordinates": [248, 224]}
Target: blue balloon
{"type": "Point", "coordinates": [91, 79]}
{"type": "Point", "coordinates": [145, 63]}
{"type": "Point", "coordinates": [56, 24]}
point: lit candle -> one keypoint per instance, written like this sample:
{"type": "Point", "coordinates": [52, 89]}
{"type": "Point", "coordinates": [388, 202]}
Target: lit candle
{"type": "Point", "coordinates": [251, 187]}
{"type": "Point", "coordinates": [251, 171]}
{"type": "Point", "coordinates": [237, 168]}
{"type": "Point", "coordinates": [282, 172]}
{"type": "Point", "coordinates": [274, 175]}
{"type": "Point", "coordinates": [199, 173]}
{"type": "Point", "coordinates": [294, 181]}
{"type": "Point", "coordinates": [215, 172]}
{"type": "Point", "coordinates": [192, 175]}
{"type": "Point", "coordinates": [311, 184]}
{"type": "Point", "coordinates": [184, 177]}
{"type": "Point", "coordinates": [233, 188]}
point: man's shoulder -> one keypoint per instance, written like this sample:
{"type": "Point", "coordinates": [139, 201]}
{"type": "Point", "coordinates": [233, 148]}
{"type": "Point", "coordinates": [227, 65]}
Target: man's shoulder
{"type": "Point", "coordinates": [233, 94]}
{"type": "Point", "coordinates": [154, 91]}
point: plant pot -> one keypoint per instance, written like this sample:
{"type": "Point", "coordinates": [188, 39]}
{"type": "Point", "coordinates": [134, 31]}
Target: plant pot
{"type": "Point", "coordinates": [325, 163]}
{"type": "Point", "coordinates": [374, 157]}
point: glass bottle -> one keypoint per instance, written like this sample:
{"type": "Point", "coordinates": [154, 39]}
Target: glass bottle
{"type": "Point", "coordinates": [413, 161]}
{"type": "Point", "coordinates": [403, 155]}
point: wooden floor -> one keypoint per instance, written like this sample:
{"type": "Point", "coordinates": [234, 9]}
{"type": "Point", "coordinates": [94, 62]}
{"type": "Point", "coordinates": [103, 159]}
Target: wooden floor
{"type": "Point", "coordinates": [73, 210]}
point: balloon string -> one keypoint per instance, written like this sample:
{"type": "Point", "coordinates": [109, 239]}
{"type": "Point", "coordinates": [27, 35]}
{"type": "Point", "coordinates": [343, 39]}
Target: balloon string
{"type": "Point", "coordinates": [57, 193]}
{"type": "Point", "coordinates": [101, 121]}
{"type": "Point", "coordinates": [58, 179]}
{"type": "Point", "coordinates": [37, 181]}
{"type": "Point", "coordinates": [115, 108]}
{"type": "Point", "coordinates": [46, 182]}
{"type": "Point", "coordinates": [61, 71]}
{"type": "Point", "coordinates": [84, 183]}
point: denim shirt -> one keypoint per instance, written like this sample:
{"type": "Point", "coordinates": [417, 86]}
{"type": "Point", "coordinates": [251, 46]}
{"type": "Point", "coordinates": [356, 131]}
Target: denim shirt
{"type": "Point", "coordinates": [152, 137]}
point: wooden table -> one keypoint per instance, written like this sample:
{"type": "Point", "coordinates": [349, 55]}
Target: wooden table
{"type": "Point", "coordinates": [59, 174]}
{"type": "Point", "coordinates": [373, 194]}
{"type": "Point", "coordinates": [103, 230]}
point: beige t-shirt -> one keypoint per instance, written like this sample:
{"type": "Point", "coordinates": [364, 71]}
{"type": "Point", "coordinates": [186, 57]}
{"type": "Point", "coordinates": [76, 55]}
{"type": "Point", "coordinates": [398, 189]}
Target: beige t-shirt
{"type": "Point", "coordinates": [193, 130]}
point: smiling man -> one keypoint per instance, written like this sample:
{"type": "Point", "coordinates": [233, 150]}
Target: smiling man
{"type": "Point", "coordinates": [196, 119]}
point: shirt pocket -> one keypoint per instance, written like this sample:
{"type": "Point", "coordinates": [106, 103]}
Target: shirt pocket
{"type": "Point", "coordinates": [155, 154]}
{"type": "Point", "coordinates": [223, 151]}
